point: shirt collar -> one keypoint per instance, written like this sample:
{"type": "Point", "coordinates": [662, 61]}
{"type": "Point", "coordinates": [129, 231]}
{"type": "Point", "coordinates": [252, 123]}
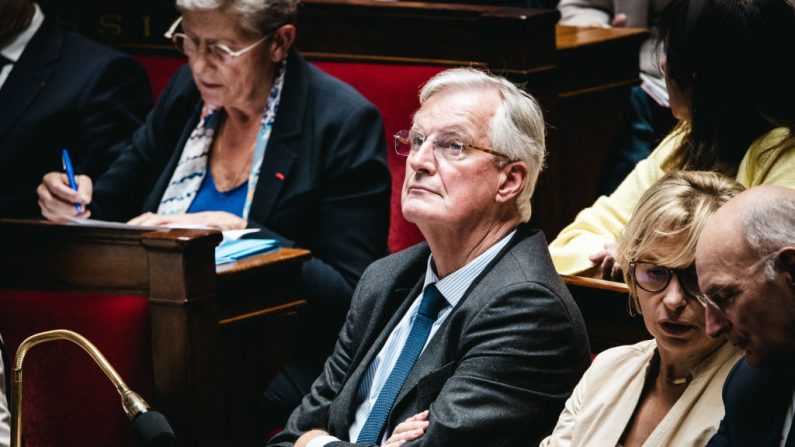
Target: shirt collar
{"type": "Point", "coordinates": [13, 51]}
{"type": "Point", "coordinates": [454, 285]}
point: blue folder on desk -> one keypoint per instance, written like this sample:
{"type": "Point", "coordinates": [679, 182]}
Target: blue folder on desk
{"type": "Point", "coordinates": [233, 250]}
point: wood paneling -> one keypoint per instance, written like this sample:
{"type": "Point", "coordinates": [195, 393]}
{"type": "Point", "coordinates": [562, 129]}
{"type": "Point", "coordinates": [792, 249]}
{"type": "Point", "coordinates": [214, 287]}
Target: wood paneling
{"type": "Point", "coordinates": [219, 334]}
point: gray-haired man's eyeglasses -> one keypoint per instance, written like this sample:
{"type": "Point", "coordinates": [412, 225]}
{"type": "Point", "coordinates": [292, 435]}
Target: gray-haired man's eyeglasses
{"type": "Point", "coordinates": [449, 147]}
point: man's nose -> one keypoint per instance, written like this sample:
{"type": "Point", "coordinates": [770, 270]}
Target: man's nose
{"type": "Point", "coordinates": [423, 159]}
{"type": "Point", "coordinates": [716, 323]}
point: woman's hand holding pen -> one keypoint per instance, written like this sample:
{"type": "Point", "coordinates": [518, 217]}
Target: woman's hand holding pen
{"type": "Point", "coordinates": [57, 200]}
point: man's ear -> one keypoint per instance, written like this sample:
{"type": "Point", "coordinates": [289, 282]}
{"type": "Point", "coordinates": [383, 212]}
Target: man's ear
{"type": "Point", "coordinates": [785, 260]}
{"type": "Point", "coordinates": [512, 179]}
{"type": "Point", "coordinates": [281, 42]}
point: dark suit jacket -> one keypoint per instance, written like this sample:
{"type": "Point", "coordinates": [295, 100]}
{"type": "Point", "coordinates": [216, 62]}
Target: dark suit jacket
{"type": "Point", "coordinates": [64, 91]}
{"type": "Point", "coordinates": [496, 373]}
{"type": "Point", "coordinates": [756, 401]}
{"type": "Point", "coordinates": [324, 183]}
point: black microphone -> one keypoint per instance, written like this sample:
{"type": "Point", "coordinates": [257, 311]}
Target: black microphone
{"type": "Point", "coordinates": [153, 429]}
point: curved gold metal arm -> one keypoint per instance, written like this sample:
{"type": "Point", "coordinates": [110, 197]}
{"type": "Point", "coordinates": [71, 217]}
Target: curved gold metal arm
{"type": "Point", "coordinates": [131, 401]}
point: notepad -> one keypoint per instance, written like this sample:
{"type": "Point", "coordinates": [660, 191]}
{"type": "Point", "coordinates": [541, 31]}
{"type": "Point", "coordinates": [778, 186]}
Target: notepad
{"type": "Point", "coordinates": [232, 250]}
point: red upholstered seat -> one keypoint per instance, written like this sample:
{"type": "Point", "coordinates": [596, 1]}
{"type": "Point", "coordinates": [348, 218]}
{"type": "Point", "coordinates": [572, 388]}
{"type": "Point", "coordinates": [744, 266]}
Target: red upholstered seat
{"type": "Point", "coordinates": [392, 88]}
{"type": "Point", "coordinates": [67, 400]}
{"type": "Point", "coordinates": [160, 69]}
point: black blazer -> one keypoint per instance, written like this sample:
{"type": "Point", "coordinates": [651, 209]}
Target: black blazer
{"type": "Point", "coordinates": [756, 401]}
{"type": "Point", "coordinates": [324, 183]}
{"type": "Point", "coordinates": [496, 373]}
{"type": "Point", "coordinates": [64, 91]}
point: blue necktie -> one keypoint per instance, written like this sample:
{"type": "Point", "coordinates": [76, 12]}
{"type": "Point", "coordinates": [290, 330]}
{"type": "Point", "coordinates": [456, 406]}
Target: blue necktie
{"type": "Point", "coordinates": [432, 302]}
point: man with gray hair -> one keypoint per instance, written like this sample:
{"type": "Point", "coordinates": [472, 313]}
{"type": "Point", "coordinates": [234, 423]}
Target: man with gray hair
{"type": "Point", "coordinates": [470, 338]}
{"type": "Point", "coordinates": [745, 260]}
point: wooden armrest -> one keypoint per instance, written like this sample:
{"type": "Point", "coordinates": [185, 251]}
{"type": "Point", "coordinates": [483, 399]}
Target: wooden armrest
{"type": "Point", "coordinates": [612, 286]}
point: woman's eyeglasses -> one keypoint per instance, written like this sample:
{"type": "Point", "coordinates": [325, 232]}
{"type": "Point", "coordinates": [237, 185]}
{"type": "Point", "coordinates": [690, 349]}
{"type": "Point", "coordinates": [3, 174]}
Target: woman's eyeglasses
{"type": "Point", "coordinates": [655, 278]}
{"type": "Point", "coordinates": [219, 52]}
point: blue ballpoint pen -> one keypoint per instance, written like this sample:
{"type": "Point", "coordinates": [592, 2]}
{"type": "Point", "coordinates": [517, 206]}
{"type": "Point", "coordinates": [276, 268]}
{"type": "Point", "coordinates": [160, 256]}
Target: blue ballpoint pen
{"type": "Point", "coordinates": [70, 173]}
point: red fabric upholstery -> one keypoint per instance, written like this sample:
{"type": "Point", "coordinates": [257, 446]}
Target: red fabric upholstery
{"type": "Point", "coordinates": [160, 69]}
{"type": "Point", "coordinates": [392, 88]}
{"type": "Point", "coordinates": [67, 400]}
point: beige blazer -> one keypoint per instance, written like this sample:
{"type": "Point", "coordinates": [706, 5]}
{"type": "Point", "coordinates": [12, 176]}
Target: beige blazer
{"type": "Point", "coordinates": [603, 402]}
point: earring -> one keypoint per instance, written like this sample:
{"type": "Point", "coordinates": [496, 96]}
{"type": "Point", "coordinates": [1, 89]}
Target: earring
{"type": "Point", "coordinates": [633, 306]}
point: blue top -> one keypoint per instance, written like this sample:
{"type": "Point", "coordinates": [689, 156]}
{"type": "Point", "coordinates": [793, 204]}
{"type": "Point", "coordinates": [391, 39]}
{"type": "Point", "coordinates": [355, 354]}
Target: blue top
{"type": "Point", "coordinates": [208, 198]}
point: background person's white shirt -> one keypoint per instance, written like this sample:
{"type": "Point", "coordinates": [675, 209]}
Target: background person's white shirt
{"type": "Point", "coordinates": [785, 432]}
{"type": "Point", "coordinates": [5, 413]}
{"type": "Point", "coordinates": [13, 51]}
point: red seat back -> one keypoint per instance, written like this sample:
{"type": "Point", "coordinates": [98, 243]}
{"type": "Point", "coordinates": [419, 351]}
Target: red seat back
{"type": "Point", "coordinates": [394, 90]}
{"type": "Point", "coordinates": [67, 400]}
{"type": "Point", "coordinates": [160, 69]}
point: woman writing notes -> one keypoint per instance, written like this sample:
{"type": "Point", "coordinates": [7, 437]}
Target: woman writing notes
{"type": "Point", "coordinates": [665, 391]}
{"type": "Point", "coordinates": [726, 66]}
{"type": "Point", "coordinates": [250, 135]}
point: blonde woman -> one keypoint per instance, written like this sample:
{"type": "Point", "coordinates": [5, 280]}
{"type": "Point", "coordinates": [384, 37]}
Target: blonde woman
{"type": "Point", "coordinates": [665, 391]}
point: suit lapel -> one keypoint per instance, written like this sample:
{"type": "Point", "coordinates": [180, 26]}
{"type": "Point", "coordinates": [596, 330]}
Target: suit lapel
{"type": "Point", "coordinates": [30, 75]}
{"type": "Point", "coordinates": [282, 149]}
{"type": "Point", "coordinates": [762, 422]}
{"type": "Point", "coordinates": [397, 304]}
{"type": "Point", "coordinates": [275, 169]}
{"type": "Point", "coordinates": [434, 354]}
{"type": "Point", "coordinates": [375, 337]}
{"type": "Point", "coordinates": [388, 309]}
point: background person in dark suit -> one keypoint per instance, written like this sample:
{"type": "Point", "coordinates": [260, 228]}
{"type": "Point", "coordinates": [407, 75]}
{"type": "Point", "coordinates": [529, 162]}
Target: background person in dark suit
{"type": "Point", "coordinates": [746, 268]}
{"type": "Point", "coordinates": [250, 135]}
{"type": "Point", "coordinates": [505, 341]}
{"type": "Point", "coordinates": [59, 90]}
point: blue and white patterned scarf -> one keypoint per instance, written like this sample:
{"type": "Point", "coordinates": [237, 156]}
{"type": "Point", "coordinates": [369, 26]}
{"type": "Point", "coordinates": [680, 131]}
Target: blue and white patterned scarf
{"type": "Point", "coordinates": [192, 165]}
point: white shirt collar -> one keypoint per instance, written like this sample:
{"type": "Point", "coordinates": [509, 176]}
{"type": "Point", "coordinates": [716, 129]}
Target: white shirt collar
{"type": "Point", "coordinates": [13, 51]}
{"type": "Point", "coordinates": [454, 285]}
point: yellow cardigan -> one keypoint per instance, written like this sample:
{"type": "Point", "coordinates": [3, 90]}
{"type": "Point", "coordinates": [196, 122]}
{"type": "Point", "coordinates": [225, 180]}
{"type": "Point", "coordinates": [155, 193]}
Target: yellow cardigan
{"type": "Point", "coordinates": [769, 161]}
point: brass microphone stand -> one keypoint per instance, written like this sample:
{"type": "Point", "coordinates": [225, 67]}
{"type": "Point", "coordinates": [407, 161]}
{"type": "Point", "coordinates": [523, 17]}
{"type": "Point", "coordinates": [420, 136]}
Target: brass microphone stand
{"type": "Point", "coordinates": [131, 401]}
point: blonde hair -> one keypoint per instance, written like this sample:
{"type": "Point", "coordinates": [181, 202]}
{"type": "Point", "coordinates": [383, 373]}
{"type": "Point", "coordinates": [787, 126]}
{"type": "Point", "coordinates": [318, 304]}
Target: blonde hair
{"type": "Point", "coordinates": [673, 210]}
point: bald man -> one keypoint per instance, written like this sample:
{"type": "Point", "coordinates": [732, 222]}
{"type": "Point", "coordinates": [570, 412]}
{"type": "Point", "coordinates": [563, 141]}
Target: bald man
{"type": "Point", "coordinates": [745, 261]}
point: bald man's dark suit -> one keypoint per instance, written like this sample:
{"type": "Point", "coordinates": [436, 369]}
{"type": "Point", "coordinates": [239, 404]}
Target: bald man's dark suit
{"type": "Point", "coordinates": [756, 401]}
